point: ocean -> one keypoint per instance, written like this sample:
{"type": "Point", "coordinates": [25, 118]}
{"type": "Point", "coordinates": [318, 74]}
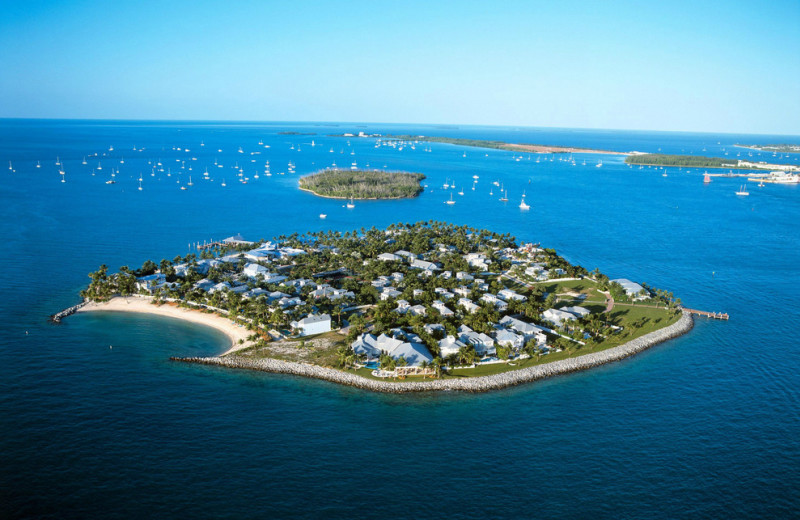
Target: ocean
{"type": "Point", "coordinates": [95, 421]}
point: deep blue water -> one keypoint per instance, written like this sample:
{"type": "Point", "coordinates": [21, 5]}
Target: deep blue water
{"type": "Point", "coordinates": [96, 422]}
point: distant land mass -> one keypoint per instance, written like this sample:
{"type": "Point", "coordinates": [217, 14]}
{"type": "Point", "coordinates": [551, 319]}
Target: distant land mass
{"type": "Point", "coordinates": [500, 145]}
{"type": "Point", "coordinates": [779, 148]}
{"type": "Point", "coordinates": [363, 184]}
{"type": "Point", "coordinates": [481, 143]}
{"type": "Point", "coordinates": [699, 161]}
{"type": "Point", "coordinates": [296, 133]}
{"type": "Point", "coordinates": [689, 161]}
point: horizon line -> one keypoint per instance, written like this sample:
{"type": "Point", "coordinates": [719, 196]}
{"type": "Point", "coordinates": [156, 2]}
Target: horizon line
{"type": "Point", "coordinates": [444, 126]}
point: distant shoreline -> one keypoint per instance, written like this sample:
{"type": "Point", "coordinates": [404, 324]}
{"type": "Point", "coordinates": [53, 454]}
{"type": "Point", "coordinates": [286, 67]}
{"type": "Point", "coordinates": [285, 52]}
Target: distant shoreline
{"type": "Point", "coordinates": [501, 145]}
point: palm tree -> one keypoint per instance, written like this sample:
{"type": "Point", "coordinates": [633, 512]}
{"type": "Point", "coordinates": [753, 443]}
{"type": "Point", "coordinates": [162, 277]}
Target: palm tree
{"type": "Point", "coordinates": [424, 365]}
{"type": "Point", "coordinates": [437, 366]}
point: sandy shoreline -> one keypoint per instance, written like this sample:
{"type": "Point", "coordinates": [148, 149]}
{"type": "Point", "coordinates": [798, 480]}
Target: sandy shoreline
{"type": "Point", "coordinates": [143, 305]}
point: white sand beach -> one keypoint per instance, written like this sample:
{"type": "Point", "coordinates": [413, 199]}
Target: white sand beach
{"type": "Point", "coordinates": [143, 305]}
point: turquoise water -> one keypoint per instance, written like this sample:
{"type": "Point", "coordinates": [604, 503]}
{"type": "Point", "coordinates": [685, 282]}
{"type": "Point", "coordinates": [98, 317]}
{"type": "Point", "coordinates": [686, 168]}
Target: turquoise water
{"type": "Point", "coordinates": [96, 422]}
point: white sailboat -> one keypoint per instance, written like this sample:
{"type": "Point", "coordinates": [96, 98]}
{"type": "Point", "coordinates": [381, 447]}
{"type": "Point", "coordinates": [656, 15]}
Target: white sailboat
{"type": "Point", "coordinates": [350, 204]}
{"type": "Point", "coordinates": [223, 183]}
{"type": "Point", "coordinates": [504, 198]}
{"type": "Point", "coordinates": [743, 191]}
{"type": "Point", "coordinates": [451, 201]}
{"type": "Point", "coordinates": [522, 204]}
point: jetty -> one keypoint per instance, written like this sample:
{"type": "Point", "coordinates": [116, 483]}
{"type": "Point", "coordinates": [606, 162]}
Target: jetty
{"type": "Point", "coordinates": [712, 315]}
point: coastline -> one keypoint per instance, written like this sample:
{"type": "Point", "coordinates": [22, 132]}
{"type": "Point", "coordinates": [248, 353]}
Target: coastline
{"type": "Point", "coordinates": [357, 198]}
{"type": "Point", "coordinates": [144, 305]}
{"type": "Point", "coordinates": [475, 384]}
{"type": "Point", "coordinates": [542, 148]}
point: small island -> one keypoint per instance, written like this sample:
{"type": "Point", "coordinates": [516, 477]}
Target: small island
{"type": "Point", "coordinates": [363, 184]}
{"type": "Point", "coordinates": [414, 307]}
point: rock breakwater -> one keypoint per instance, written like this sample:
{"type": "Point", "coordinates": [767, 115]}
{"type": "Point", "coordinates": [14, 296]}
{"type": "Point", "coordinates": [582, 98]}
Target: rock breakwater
{"type": "Point", "coordinates": [471, 384]}
{"type": "Point", "coordinates": [57, 317]}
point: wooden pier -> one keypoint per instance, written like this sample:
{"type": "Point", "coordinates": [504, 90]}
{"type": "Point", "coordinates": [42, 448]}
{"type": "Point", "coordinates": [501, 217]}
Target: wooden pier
{"type": "Point", "coordinates": [712, 315]}
{"type": "Point", "coordinates": [208, 245]}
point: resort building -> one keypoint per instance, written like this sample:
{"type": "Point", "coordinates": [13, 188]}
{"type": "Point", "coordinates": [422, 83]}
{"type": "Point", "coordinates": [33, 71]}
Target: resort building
{"type": "Point", "coordinates": [632, 289]}
{"type": "Point", "coordinates": [312, 324]}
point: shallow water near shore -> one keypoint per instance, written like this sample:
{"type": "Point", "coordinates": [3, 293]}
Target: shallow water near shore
{"type": "Point", "coordinates": [705, 425]}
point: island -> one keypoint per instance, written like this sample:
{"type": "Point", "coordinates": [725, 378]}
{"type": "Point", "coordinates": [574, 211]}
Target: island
{"type": "Point", "coordinates": [363, 184]}
{"type": "Point", "coordinates": [413, 307]}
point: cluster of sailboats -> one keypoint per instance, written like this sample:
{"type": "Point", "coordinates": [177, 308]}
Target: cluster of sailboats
{"type": "Point", "coordinates": [503, 192]}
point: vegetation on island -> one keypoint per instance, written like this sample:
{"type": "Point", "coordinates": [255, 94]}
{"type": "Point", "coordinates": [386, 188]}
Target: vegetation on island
{"type": "Point", "coordinates": [296, 133]}
{"type": "Point", "coordinates": [363, 278]}
{"type": "Point", "coordinates": [687, 161]}
{"type": "Point", "coordinates": [363, 184]}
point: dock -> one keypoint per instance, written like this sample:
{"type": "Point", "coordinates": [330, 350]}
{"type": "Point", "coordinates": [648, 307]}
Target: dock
{"type": "Point", "coordinates": [207, 245]}
{"type": "Point", "coordinates": [712, 315]}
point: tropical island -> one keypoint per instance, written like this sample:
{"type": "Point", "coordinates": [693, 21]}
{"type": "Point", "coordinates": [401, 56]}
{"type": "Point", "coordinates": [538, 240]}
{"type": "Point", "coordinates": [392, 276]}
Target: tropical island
{"type": "Point", "coordinates": [428, 306]}
{"type": "Point", "coordinates": [363, 184]}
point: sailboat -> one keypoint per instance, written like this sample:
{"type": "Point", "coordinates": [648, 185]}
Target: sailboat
{"type": "Point", "coordinates": [461, 192]}
{"type": "Point", "coordinates": [706, 178]}
{"type": "Point", "coordinates": [10, 167]}
{"type": "Point", "coordinates": [451, 201]}
{"type": "Point", "coordinates": [350, 204]}
{"type": "Point", "coordinates": [504, 198]}
{"type": "Point", "coordinates": [223, 183]}
{"type": "Point", "coordinates": [599, 164]}
{"type": "Point", "coordinates": [140, 184]}
{"type": "Point", "coordinates": [522, 204]}
{"type": "Point", "coordinates": [38, 164]}
{"type": "Point", "coordinates": [743, 190]}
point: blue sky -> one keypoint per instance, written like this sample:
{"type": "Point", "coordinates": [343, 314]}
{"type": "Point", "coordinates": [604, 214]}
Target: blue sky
{"type": "Point", "coordinates": [693, 66]}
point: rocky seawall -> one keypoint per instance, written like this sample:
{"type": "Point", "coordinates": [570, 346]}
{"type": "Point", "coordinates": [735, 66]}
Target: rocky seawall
{"type": "Point", "coordinates": [57, 317]}
{"type": "Point", "coordinates": [471, 384]}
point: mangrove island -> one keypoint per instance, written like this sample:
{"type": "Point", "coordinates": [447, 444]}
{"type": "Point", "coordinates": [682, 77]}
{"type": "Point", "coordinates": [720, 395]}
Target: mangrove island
{"type": "Point", "coordinates": [363, 184]}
